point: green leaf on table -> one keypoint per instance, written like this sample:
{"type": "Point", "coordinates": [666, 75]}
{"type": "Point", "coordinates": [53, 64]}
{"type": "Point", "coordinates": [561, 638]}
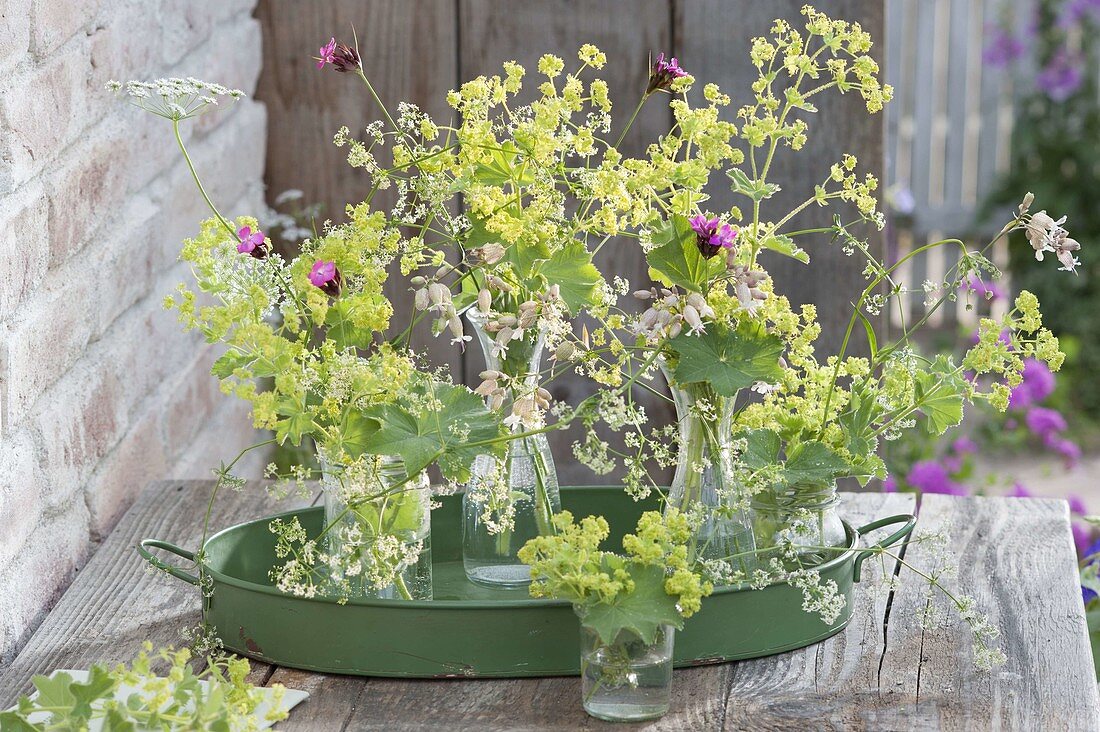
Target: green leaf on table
{"type": "Point", "coordinates": [675, 258]}
{"type": "Point", "coordinates": [938, 395]}
{"type": "Point", "coordinates": [98, 685]}
{"type": "Point", "coordinates": [54, 692]}
{"type": "Point", "coordinates": [729, 360]}
{"type": "Point", "coordinates": [571, 269]}
{"type": "Point", "coordinates": [17, 723]}
{"type": "Point", "coordinates": [640, 612]}
{"type": "Point", "coordinates": [446, 435]}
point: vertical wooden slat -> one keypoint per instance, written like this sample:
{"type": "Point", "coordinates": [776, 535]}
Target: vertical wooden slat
{"type": "Point", "coordinates": [306, 105]}
{"type": "Point", "coordinates": [717, 34]}
{"type": "Point", "coordinates": [494, 31]}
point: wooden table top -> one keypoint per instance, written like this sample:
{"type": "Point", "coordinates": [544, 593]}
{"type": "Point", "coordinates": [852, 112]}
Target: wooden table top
{"type": "Point", "coordinates": [883, 671]}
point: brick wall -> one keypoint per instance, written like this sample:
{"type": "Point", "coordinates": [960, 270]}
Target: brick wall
{"type": "Point", "coordinates": [100, 392]}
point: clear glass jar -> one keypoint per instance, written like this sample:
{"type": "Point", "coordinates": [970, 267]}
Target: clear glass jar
{"type": "Point", "coordinates": [805, 516]}
{"type": "Point", "coordinates": [628, 680]}
{"type": "Point", "coordinates": [704, 476]}
{"type": "Point", "coordinates": [508, 501]}
{"type": "Point", "coordinates": [378, 540]}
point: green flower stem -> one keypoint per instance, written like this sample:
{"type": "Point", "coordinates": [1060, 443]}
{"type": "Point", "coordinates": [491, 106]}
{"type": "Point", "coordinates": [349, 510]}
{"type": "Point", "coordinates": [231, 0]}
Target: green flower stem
{"type": "Point", "coordinates": [630, 122]}
{"type": "Point", "coordinates": [195, 176]}
{"type": "Point", "coordinates": [857, 310]}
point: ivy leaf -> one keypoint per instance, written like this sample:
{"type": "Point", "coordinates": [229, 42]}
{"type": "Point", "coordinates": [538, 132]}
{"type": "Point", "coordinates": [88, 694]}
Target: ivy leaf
{"type": "Point", "coordinates": [938, 395]}
{"type": "Point", "coordinates": [676, 259]}
{"type": "Point", "coordinates": [729, 360]}
{"type": "Point", "coordinates": [571, 269]}
{"type": "Point", "coordinates": [639, 612]}
{"type": "Point", "coordinates": [444, 435]}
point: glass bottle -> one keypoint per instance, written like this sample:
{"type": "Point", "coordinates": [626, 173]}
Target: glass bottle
{"type": "Point", "coordinates": [627, 680]}
{"type": "Point", "coordinates": [509, 500]}
{"type": "Point", "coordinates": [803, 515]}
{"type": "Point", "coordinates": [704, 477]}
{"type": "Point", "coordinates": [378, 540]}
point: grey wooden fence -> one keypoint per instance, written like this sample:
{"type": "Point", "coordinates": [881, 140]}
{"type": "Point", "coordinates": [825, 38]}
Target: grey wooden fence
{"type": "Point", "coordinates": [419, 49]}
{"type": "Point", "coordinates": [948, 130]}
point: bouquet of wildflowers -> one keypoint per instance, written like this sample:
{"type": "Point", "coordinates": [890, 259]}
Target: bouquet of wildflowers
{"type": "Point", "coordinates": [765, 425]}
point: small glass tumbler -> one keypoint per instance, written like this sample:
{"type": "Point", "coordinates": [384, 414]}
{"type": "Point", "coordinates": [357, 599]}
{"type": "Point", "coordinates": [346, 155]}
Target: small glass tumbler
{"type": "Point", "coordinates": [628, 680]}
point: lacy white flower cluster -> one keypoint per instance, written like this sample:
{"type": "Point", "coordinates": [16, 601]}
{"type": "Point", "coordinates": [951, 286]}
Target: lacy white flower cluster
{"type": "Point", "coordinates": [174, 99]}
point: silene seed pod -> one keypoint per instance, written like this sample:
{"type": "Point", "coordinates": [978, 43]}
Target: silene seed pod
{"type": "Point", "coordinates": [484, 301]}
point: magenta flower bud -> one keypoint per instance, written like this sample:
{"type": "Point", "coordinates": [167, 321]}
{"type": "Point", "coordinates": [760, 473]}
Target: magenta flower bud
{"type": "Point", "coordinates": [711, 235]}
{"type": "Point", "coordinates": [342, 57]}
{"type": "Point", "coordinates": [663, 74]}
{"type": "Point", "coordinates": [251, 242]}
{"type": "Point", "coordinates": [326, 277]}
{"type": "Point", "coordinates": [326, 53]}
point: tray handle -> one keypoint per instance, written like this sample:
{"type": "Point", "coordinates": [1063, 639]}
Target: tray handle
{"type": "Point", "coordinates": [907, 519]}
{"type": "Point", "coordinates": [143, 550]}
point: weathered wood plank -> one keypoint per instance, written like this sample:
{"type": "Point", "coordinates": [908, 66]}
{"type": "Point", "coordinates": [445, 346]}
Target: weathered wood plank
{"type": "Point", "coordinates": [1016, 558]}
{"type": "Point", "coordinates": [835, 684]}
{"type": "Point", "coordinates": [495, 31]}
{"type": "Point", "coordinates": [716, 36]}
{"type": "Point", "coordinates": [117, 601]}
{"type": "Point", "coordinates": [409, 51]}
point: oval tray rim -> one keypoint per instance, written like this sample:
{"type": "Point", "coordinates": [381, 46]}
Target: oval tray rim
{"type": "Point", "coordinates": [845, 556]}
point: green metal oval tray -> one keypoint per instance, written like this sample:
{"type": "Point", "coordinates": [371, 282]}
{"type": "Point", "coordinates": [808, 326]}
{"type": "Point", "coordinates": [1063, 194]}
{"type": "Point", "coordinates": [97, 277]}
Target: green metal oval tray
{"type": "Point", "coordinates": [472, 631]}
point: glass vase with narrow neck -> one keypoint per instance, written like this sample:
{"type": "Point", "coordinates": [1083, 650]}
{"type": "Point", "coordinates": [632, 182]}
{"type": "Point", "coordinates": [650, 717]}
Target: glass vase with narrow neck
{"type": "Point", "coordinates": [378, 538]}
{"type": "Point", "coordinates": [508, 500]}
{"type": "Point", "coordinates": [803, 516]}
{"type": "Point", "coordinates": [704, 478]}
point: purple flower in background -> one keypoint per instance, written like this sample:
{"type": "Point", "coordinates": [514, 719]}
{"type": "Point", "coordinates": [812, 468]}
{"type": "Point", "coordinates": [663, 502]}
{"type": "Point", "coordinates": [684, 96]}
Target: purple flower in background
{"type": "Point", "coordinates": [326, 276]}
{"type": "Point", "coordinates": [1045, 423]}
{"type": "Point", "coordinates": [1020, 491]}
{"type": "Point", "coordinates": [890, 484]}
{"type": "Point", "coordinates": [901, 200]}
{"type": "Point", "coordinates": [1068, 449]}
{"type": "Point", "coordinates": [985, 289]}
{"type": "Point", "coordinates": [1003, 46]}
{"type": "Point", "coordinates": [929, 476]}
{"type": "Point", "coordinates": [964, 445]}
{"type": "Point", "coordinates": [1082, 534]}
{"type": "Point", "coordinates": [1090, 555]}
{"type": "Point", "coordinates": [712, 235]}
{"type": "Point", "coordinates": [251, 242]}
{"type": "Point", "coordinates": [1075, 11]}
{"type": "Point", "coordinates": [1077, 504]}
{"type": "Point", "coordinates": [326, 53]}
{"type": "Point", "coordinates": [663, 74]}
{"type": "Point", "coordinates": [1038, 384]}
{"type": "Point", "coordinates": [1061, 77]}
